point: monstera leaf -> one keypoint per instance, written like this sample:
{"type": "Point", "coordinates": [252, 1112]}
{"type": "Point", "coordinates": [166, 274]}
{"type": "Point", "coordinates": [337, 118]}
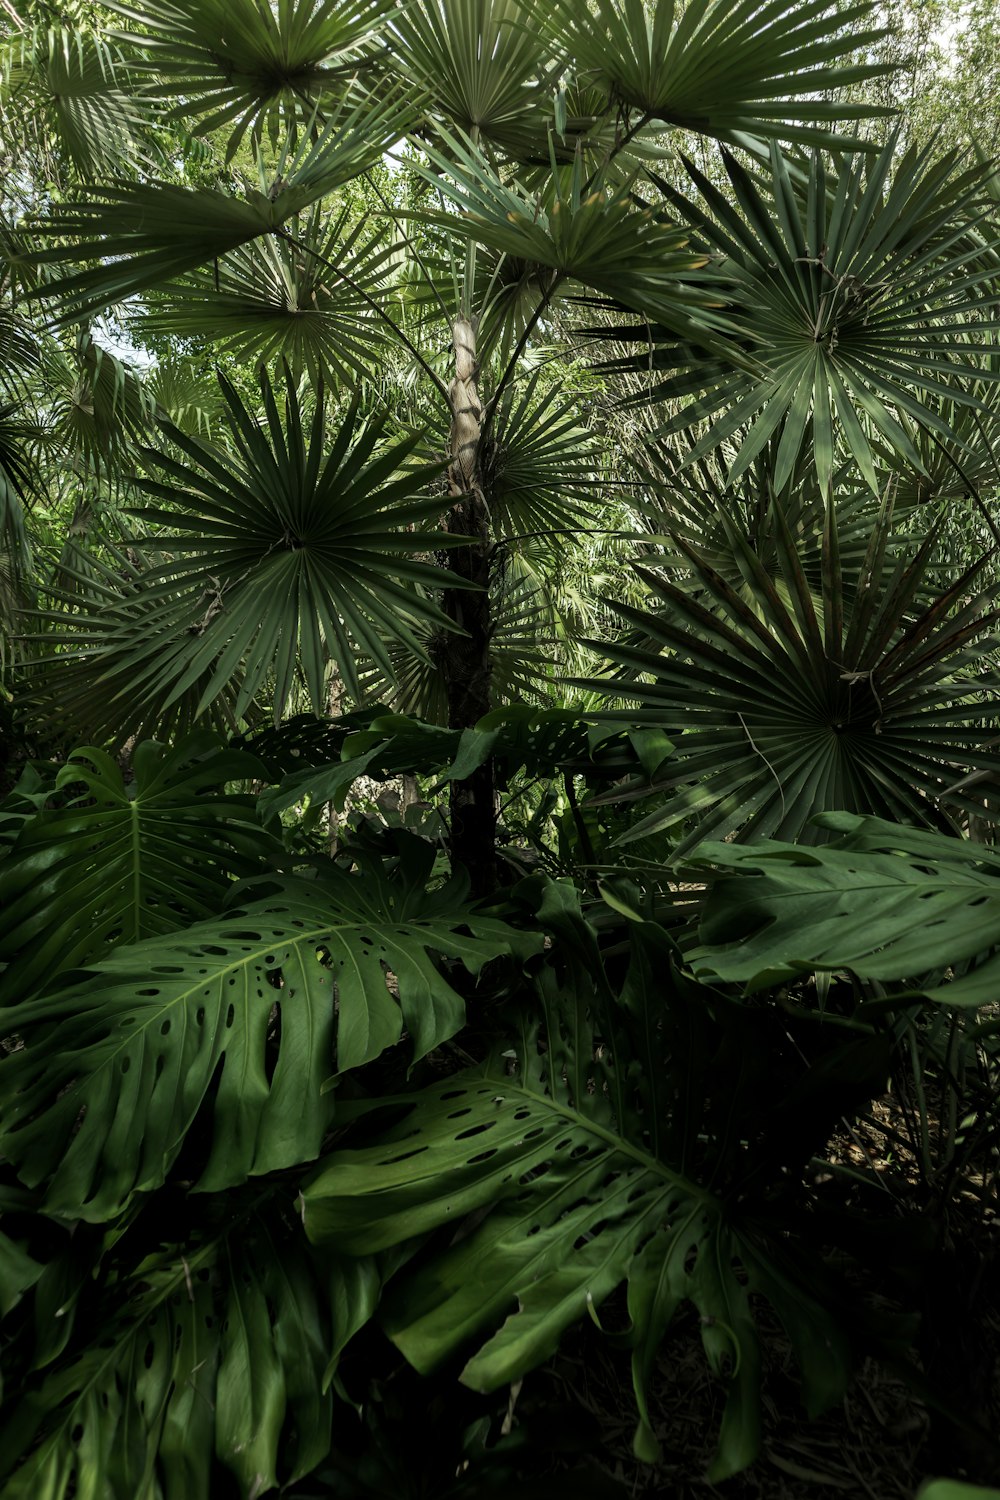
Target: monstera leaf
{"type": "Point", "coordinates": [883, 901]}
{"type": "Point", "coordinates": [213, 1349]}
{"type": "Point", "coordinates": [560, 1170]}
{"type": "Point", "coordinates": [121, 861]}
{"type": "Point", "coordinates": [244, 1018]}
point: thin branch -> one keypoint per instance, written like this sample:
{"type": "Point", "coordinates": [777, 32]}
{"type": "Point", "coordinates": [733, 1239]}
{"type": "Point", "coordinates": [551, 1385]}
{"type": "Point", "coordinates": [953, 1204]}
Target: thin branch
{"type": "Point", "coordinates": [973, 491]}
{"type": "Point", "coordinates": [619, 145]}
{"type": "Point", "coordinates": [756, 748]}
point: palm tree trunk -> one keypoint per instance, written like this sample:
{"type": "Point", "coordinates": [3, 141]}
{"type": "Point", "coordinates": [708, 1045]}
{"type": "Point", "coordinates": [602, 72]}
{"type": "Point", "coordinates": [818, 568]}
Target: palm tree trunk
{"type": "Point", "coordinates": [466, 658]}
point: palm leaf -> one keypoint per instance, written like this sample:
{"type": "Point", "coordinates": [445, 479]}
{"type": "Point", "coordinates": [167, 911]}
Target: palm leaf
{"type": "Point", "coordinates": [272, 300]}
{"type": "Point", "coordinates": [861, 295]}
{"type": "Point", "coordinates": [521, 656]}
{"type": "Point", "coordinates": [480, 62]}
{"type": "Point", "coordinates": [99, 406]}
{"type": "Point", "coordinates": [246, 64]}
{"type": "Point", "coordinates": [81, 678]}
{"type": "Point", "coordinates": [725, 68]}
{"type": "Point", "coordinates": [540, 468]}
{"type": "Point", "coordinates": [293, 547]}
{"type": "Point", "coordinates": [162, 230]}
{"type": "Point", "coordinates": [594, 235]}
{"type": "Point", "coordinates": [797, 705]}
{"type": "Point", "coordinates": [66, 90]}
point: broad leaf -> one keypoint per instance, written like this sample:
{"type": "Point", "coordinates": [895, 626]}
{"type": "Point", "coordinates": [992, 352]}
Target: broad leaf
{"type": "Point", "coordinates": [121, 861]}
{"type": "Point", "coordinates": [217, 1347]}
{"type": "Point", "coordinates": [885, 902]}
{"type": "Point", "coordinates": [563, 1150]}
{"type": "Point", "coordinates": [245, 1017]}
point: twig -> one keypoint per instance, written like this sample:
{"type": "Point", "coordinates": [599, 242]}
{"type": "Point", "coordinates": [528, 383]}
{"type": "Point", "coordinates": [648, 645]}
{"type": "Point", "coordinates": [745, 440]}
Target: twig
{"type": "Point", "coordinates": [753, 746]}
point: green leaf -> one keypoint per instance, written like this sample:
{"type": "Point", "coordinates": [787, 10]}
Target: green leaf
{"type": "Point", "coordinates": [174, 1380]}
{"type": "Point", "coordinates": [561, 1149]}
{"type": "Point", "coordinates": [954, 1489]}
{"type": "Point", "coordinates": [886, 902]}
{"type": "Point", "coordinates": [18, 1273]}
{"type": "Point", "coordinates": [479, 61]}
{"type": "Point", "coordinates": [68, 91]}
{"type": "Point", "coordinates": [308, 302]}
{"type": "Point", "coordinates": [240, 63]}
{"type": "Point", "coordinates": [726, 68]}
{"type": "Point", "coordinates": [121, 861]}
{"type": "Point", "coordinates": [162, 230]}
{"type": "Point", "coordinates": [237, 1018]}
{"type": "Point", "coordinates": [862, 287]}
{"type": "Point", "coordinates": [591, 234]}
{"type": "Point", "coordinates": [296, 545]}
{"type": "Point", "coordinates": [871, 696]}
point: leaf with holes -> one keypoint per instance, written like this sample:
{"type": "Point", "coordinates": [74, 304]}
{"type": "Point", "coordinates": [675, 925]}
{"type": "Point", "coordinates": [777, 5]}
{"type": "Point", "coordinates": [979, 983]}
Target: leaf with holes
{"type": "Point", "coordinates": [886, 902]}
{"type": "Point", "coordinates": [553, 1170]}
{"type": "Point", "coordinates": [215, 1349]}
{"type": "Point", "coordinates": [243, 1018]}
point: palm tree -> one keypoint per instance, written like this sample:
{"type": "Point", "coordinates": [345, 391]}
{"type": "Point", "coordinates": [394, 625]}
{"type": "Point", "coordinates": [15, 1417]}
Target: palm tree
{"type": "Point", "coordinates": [523, 194]}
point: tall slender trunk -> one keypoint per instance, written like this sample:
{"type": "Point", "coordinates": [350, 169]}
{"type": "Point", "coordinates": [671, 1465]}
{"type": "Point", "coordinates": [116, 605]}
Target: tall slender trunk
{"type": "Point", "coordinates": [466, 657]}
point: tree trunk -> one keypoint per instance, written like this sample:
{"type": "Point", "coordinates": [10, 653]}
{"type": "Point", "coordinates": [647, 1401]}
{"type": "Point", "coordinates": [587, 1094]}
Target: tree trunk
{"type": "Point", "coordinates": [466, 658]}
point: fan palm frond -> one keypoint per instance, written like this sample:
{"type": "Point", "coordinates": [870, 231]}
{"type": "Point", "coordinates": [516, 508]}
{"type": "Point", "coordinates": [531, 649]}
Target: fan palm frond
{"type": "Point", "coordinates": [883, 704]}
{"type": "Point", "coordinates": [482, 63]}
{"type": "Point", "coordinates": [521, 656]}
{"type": "Point", "coordinates": [244, 63]}
{"type": "Point", "coordinates": [308, 303]}
{"type": "Point", "coordinates": [861, 297]}
{"type": "Point", "coordinates": [725, 68]}
{"type": "Point", "coordinates": [578, 232]}
{"type": "Point", "coordinates": [66, 91]}
{"type": "Point", "coordinates": [540, 466]}
{"type": "Point", "coordinates": [162, 230]}
{"type": "Point", "coordinates": [294, 545]}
